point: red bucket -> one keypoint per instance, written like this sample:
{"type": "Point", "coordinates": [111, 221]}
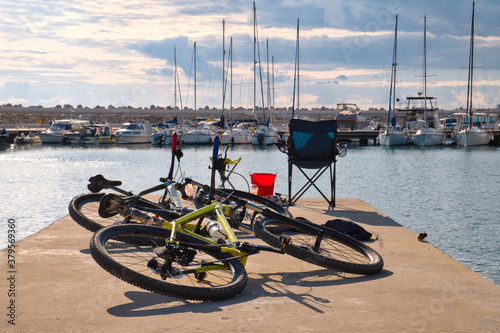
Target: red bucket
{"type": "Point", "coordinates": [264, 182]}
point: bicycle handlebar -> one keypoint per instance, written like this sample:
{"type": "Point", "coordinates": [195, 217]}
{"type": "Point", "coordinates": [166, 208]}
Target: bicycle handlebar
{"type": "Point", "coordinates": [174, 142]}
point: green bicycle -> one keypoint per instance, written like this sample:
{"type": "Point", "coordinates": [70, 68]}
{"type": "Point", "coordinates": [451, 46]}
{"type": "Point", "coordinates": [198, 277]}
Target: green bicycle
{"type": "Point", "coordinates": [199, 257]}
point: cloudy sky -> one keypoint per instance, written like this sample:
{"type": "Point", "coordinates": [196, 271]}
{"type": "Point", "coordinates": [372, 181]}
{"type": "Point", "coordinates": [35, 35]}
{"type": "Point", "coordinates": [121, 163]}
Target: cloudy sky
{"type": "Point", "coordinates": [110, 52]}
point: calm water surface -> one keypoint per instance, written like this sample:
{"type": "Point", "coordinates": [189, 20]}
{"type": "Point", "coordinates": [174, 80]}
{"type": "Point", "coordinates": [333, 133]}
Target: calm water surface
{"type": "Point", "coordinates": [448, 192]}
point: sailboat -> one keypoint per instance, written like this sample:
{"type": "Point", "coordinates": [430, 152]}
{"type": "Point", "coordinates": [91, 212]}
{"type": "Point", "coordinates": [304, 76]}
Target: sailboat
{"type": "Point", "coordinates": [427, 136]}
{"type": "Point", "coordinates": [264, 135]}
{"type": "Point", "coordinates": [393, 135]}
{"type": "Point", "coordinates": [237, 134]}
{"type": "Point", "coordinates": [202, 135]}
{"type": "Point", "coordinates": [471, 135]}
{"type": "Point", "coordinates": [164, 133]}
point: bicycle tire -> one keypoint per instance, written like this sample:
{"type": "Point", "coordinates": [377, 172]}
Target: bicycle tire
{"type": "Point", "coordinates": [337, 250]}
{"type": "Point", "coordinates": [130, 264]}
{"type": "Point", "coordinates": [84, 208]}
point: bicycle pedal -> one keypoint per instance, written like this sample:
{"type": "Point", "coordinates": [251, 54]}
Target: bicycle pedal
{"type": "Point", "coordinates": [285, 240]}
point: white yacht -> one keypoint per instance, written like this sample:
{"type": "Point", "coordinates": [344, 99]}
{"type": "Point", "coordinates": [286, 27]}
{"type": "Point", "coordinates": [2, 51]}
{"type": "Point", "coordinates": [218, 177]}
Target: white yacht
{"type": "Point", "coordinates": [60, 128]}
{"type": "Point", "coordinates": [264, 136]}
{"type": "Point", "coordinates": [134, 132]}
{"type": "Point", "coordinates": [239, 134]}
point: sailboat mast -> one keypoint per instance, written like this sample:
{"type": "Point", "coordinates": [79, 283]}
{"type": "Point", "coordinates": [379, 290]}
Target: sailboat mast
{"type": "Point", "coordinates": [425, 71]}
{"type": "Point", "coordinates": [392, 93]}
{"type": "Point", "coordinates": [231, 88]}
{"type": "Point", "coordinates": [268, 82]}
{"type": "Point", "coordinates": [273, 81]}
{"type": "Point", "coordinates": [175, 78]}
{"type": "Point", "coordinates": [296, 74]}
{"type": "Point", "coordinates": [223, 69]}
{"type": "Point", "coordinates": [298, 69]}
{"type": "Point", "coordinates": [254, 58]}
{"type": "Point", "coordinates": [195, 109]}
{"type": "Point", "coordinates": [471, 70]}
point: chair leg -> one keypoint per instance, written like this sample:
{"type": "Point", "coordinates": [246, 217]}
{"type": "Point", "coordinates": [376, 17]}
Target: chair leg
{"type": "Point", "coordinates": [290, 170]}
{"type": "Point", "coordinates": [311, 182]}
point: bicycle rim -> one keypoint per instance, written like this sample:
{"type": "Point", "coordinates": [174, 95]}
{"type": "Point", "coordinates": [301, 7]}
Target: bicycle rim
{"type": "Point", "coordinates": [207, 277]}
{"type": "Point", "coordinates": [334, 250]}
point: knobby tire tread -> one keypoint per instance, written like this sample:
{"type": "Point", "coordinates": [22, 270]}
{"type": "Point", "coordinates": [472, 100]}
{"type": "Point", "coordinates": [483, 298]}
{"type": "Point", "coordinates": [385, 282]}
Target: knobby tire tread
{"type": "Point", "coordinates": [101, 256]}
{"type": "Point", "coordinates": [373, 265]}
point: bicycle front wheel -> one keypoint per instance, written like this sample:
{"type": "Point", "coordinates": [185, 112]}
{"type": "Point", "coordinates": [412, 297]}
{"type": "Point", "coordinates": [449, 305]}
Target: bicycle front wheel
{"type": "Point", "coordinates": [188, 273]}
{"type": "Point", "coordinates": [329, 249]}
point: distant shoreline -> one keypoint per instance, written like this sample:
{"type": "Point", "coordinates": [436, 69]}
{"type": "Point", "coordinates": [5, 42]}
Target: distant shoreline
{"type": "Point", "coordinates": [40, 116]}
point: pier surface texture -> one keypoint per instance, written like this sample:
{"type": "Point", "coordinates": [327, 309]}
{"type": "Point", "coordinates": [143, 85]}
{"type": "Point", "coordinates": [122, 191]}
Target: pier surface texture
{"type": "Point", "coordinates": [59, 288]}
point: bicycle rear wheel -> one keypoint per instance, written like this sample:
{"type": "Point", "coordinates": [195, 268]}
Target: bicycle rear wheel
{"type": "Point", "coordinates": [191, 274]}
{"type": "Point", "coordinates": [331, 249]}
{"type": "Point", "coordinates": [84, 209]}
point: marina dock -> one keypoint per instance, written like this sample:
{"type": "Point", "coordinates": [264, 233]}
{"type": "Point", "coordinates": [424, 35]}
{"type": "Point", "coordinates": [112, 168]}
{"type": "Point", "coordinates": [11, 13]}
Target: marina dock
{"type": "Point", "coordinates": [59, 287]}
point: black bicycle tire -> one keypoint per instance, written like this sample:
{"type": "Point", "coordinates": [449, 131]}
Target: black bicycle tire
{"type": "Point", "coordinates": [90, 219]}
{"type": "Point", "coordinates": [147, 282]}
{"type": "Point", "coordinates": [364, 260]}
{"type": "Point", "coordinates": [199, 202]}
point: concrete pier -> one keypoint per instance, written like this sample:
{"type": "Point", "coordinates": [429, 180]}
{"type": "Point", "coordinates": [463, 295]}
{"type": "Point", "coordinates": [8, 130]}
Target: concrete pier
{"type": "Point", "coordinates": [59, 288]}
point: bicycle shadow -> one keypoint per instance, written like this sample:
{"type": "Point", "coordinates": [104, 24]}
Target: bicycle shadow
{"type": "Point", "coordinates": [275, 285]}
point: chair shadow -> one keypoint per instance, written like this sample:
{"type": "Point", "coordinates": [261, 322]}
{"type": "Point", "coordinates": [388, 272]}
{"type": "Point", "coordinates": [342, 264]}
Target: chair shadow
{"type": "Point", "coordinates": [145, 304]}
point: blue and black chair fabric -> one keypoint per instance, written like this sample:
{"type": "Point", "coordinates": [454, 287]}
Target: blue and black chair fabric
{"type": "Point", "coordinates": [312, 145]}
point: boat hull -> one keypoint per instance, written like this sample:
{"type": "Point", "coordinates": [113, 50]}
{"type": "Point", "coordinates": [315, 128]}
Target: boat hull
{"type": "Point", "coordinates": [428, 137]}
{"type": "Point", "coordinates": [472, 137]}
{"type": "Point", "coordinates": [396, 138]}
{"type": "Point", "coordinates": [130, 139]}
{"type": "Point", "coordinates": [196, 139]}
{"type": "Point", "coordinates": [50, 137]}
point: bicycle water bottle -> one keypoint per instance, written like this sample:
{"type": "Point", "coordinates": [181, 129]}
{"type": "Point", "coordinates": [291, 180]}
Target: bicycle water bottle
{"type": "Point", "coordinates": [254, 189]}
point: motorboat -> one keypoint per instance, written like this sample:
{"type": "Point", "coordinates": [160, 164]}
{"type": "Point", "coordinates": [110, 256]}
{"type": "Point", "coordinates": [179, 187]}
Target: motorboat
{"type": "Point", "coordinates": [59, 128]}
{"type": "Point", "coordinates": [264, 136]}
{"type": "Point", "coordinates": [134, 132]}
{"type": "Point", "coordinates": [96, 135]}
{"type": "Point", "coordinates": [163, 135]}
{"type": "Point", "coordinates": [27, 138]}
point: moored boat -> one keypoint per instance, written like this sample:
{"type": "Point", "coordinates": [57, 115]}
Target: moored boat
{"type": "Point", "coordinates": [470, 135]}
{"type": "Point", "coordinates": [96, 135]}
{"type": "Point", "coordinates": [134, 132]}
{"type": "Point", "coordinates": [59, 128]}
{"type": "Point", "coordinates": [393, 135]}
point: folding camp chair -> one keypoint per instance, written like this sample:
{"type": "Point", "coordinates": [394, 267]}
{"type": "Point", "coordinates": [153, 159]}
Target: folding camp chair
{"type": "Point", "coordinates": [312, 145]}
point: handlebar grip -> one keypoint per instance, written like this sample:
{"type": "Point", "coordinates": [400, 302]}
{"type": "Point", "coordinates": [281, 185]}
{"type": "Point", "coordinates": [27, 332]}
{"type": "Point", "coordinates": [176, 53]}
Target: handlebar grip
{"type": "Point", "coordinates": [174, 141]}
{"type": "Point", "coordinates": [216, 148]}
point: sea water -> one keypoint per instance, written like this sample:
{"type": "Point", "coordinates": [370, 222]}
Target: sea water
{"type": "Point", "coordinates": [451, 193]}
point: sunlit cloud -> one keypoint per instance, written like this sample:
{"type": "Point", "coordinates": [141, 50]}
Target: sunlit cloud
{"type": "Point", "coordinates": [114, 52]}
